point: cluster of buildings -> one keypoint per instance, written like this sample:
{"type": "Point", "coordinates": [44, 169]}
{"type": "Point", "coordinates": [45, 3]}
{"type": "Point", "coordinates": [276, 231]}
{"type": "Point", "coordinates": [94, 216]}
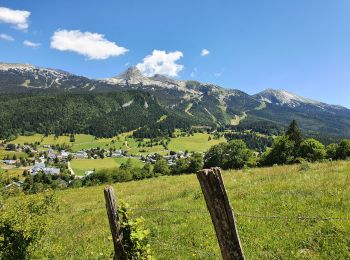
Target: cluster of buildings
{"type": "Point", "coordinates": [41, 167]}
{"type": "Point", "coordinates": [61, 156]}
{"type": "Point", "coordinates": [171, 159]}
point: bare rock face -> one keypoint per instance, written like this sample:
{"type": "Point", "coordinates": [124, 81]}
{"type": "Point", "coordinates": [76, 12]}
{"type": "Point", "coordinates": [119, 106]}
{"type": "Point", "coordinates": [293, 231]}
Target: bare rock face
{"type": "Point", "coordinates": [283, 97]}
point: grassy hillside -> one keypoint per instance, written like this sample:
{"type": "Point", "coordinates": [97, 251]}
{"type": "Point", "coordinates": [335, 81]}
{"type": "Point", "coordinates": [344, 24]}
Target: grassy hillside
{"type": "Point", "coordinates": [80, 227]}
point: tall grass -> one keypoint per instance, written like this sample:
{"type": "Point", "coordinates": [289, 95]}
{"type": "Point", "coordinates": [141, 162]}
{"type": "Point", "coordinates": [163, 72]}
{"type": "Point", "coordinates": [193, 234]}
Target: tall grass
{"type": "Point", "coordinates": [80, 228]}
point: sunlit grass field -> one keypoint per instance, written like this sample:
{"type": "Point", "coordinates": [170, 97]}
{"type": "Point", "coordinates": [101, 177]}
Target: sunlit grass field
{"type": "Point", "coordinates": [80, 229]}
{"type": "Point", "coordinates": [81, 165]}
{"type": "Point", "coordinates": [82, 141]}
{"type": "Point", "coordinates": [5, 153]}
{"type": "Point", "coordinates": [198, 143]}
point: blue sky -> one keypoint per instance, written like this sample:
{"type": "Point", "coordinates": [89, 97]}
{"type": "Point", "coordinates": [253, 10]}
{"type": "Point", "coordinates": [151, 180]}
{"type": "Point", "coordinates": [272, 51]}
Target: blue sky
{"type": "Point", "coordinates": [297, 45]}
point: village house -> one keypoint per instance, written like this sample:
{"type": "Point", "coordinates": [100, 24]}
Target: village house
{"type": "Point", "coordinates": [63, 155]}
{"type": "Point", "coordinates": [51, 171]}
{"type": "Point", "coordinates": [26, 148]}
{"type": "Point", "coordinates": [46, 170]}
{"type": "Point", "coordinates": [81, 155]}
{"type": "Point", "coordinates": [117, 153]}
{"type": "Point", "coordinates": [9, 162]}
{"type": "Point", "coordinates": [51, 155]}
{"type": "Point", "coordinates": [37, 167]}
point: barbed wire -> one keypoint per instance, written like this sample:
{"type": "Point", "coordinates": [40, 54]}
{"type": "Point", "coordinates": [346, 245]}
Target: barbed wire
{"type": "Point", "coordinates": [293, 217]}
{"type": "Point", "coordinates": [201, 211]}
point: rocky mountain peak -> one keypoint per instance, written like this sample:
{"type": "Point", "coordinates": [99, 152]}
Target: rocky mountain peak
{"type": "Point", "coordinates": [130, 73]}
{"type": "Point", "coordinates": [284, 97]}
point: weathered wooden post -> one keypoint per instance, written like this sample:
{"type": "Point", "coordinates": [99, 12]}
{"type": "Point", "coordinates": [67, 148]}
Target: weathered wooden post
{"type": "Point", "coordinates": [112, 213]}
{"type": "Point", "coordinates": [221, 213]}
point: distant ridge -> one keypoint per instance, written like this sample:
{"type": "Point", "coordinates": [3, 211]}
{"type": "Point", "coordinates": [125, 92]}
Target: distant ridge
{"type": "Point", "coordinates": [193, 101]}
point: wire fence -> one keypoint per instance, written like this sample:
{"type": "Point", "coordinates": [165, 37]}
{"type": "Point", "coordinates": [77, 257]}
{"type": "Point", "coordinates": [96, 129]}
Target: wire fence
{"type": "Point", "coordinates": [202, 252]}
{"type": "Point", "coordinates": [201, 211]}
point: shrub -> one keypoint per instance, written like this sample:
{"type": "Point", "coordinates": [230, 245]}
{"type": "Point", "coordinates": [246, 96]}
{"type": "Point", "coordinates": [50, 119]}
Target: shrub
{"type": "Point", "coordinates": [343, 150]}
{"type": "Point", "coordinates": [161, 167]}
{"type": "Point", "coordinates": [181, 166]}
{"type": "Point", "coordinates": [331, 151]}
{"type": "Point", "coordinates": [282, 152]}
{"type": "Point", "coordinates": [215, 155]}
{"type": "Point", "coordinates": [312, 150]}
{"type": "Point", "coordinates": [23, 224]}
{"type": "Point", "coordinates": [233, 155]}
{"type": "Point", "coordinates": [196, 163]}
{"type": "Point", "coordinates": [135, 237]}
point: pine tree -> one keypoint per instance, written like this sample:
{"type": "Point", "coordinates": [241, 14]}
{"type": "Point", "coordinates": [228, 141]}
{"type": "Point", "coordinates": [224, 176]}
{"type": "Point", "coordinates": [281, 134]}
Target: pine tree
{"type": "Point", "coordinates": [294, 134]}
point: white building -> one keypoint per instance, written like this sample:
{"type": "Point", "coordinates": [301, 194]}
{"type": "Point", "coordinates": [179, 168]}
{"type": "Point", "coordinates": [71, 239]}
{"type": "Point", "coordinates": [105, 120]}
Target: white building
{"type": "Point", "coordinates": [46, 170]}
{"type": "Point", "coordinates": [81, 155]}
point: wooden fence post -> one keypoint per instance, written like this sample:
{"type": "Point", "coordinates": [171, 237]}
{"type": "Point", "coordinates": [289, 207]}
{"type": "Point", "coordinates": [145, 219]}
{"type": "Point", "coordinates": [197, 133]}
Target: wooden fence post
{"type": "Point", "coordinates": [221, 213]}
{"type": "Point", "coordinates": [112, 213]}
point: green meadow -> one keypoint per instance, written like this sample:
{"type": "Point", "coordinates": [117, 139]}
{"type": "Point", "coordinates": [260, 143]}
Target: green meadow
{"type": "Point", "coordinates": [82, 141]}
{"type": "Point", "coordinates": [4, 154]}
{"type": "Point", "coordinates": [79, 166]}
{"type": "Point", "coordinates": [79, 229]}
{"type": "Point", "coordinates": [198, 142]}
{"type": "Point", "coordinates": [22, 139]}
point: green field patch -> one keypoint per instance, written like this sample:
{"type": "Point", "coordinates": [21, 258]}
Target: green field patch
{"type": "Point", "coordinates": [4, 154]}
{"type": "Point", "coordinates": [15, 173]}
{"type": "Point", "coordinates": [80, 166]}
{"type": "Point", "coordinates": [22, 139]}
{"type": "Point", "coordinates": [101, 143]}
{"type": "Point", "coordinates": [85, 142]}
{"type": "Point", "coordinates": [135, 162]}
{"type": "Point", "coordinates": [197, 143]}
{"type": "Point", "coordinates": [147, 150]}
{"type": "Point", "coordinates": [53, 140]}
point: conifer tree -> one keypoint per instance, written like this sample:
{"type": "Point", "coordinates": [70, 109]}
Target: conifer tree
{"type": "Point", "coordinates": [294, 134]}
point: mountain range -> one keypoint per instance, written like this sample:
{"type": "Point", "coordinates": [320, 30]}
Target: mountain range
{"type": "Point", "coordinates": [181, 102]}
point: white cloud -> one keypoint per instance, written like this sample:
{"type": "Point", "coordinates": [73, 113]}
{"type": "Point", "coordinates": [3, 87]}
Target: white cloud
{"type": "Point", "coordinates": [6, 37]}
{"type": "Point", "coordinates": [31, 44]}
{"type": "Point", "coordinates": [92, 45]}
{"type": "Point", "coordinates": [17, 18]}
{"type": "Point", "coordinates": [205, 52]}
{"type": "Point", "coordinates": [160, 62]}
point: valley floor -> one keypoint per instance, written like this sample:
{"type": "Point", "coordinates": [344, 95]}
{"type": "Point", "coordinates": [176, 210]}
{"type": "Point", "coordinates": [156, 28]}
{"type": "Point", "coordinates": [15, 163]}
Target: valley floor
{"type": "Point", "coordinates": [80, 228]}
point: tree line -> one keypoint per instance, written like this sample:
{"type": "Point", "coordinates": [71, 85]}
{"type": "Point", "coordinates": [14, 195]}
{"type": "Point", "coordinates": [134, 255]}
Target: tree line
{"type": "Point", "coordinates": [286, 149]}
{"type": "Point", "coordinates": [289, 148]}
